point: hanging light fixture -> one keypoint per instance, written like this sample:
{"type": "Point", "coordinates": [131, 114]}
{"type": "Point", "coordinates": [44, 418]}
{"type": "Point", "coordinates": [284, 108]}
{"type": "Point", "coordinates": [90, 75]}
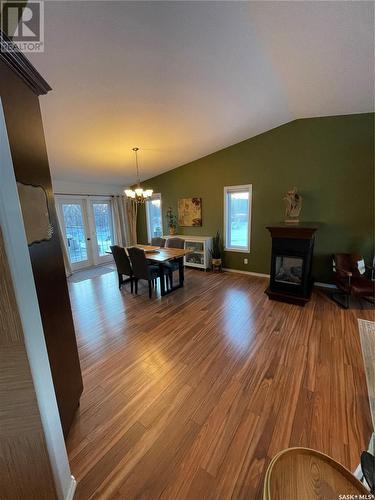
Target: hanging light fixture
{"type": "Point", "coordinates": [138, 194]}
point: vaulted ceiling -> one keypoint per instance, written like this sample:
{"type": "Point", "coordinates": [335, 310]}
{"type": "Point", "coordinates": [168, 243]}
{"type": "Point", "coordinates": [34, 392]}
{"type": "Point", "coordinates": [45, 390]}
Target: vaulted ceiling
{"type": "Point", "coordinates": [181, 80]}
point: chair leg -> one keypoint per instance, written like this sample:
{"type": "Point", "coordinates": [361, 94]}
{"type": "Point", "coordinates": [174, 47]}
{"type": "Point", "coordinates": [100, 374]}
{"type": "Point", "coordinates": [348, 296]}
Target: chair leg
{"type": "Point", "coordinates": [149, 289]}
{"type": "Point", "coordinates": [136, 285]}
{"type": "Point", "coordinates": [119, 280]}
{"type": "Point", "coordinates": [170, 276]}
{"type": "Point", "coordinates": [131, 284]}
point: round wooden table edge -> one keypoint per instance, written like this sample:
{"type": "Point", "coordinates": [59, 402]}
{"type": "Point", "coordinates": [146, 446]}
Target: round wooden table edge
{"type": "Point", "coordinates": [337, 465]}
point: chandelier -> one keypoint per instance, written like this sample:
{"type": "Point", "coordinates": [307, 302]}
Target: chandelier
{"type": "Point", "coordinates": [139, 195]}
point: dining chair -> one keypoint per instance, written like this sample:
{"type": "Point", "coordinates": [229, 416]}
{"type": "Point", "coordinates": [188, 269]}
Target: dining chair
{"type": "Point", "coordinates": [158, 242]}
{"type": "Point", "coordinates": [123, 266]}
{"type": "Point", "coordinates": [173, 265]}
{"type": "Point", "coordinates": [175, 243]}
{"type": "Point", "coordinates": [142, 270]}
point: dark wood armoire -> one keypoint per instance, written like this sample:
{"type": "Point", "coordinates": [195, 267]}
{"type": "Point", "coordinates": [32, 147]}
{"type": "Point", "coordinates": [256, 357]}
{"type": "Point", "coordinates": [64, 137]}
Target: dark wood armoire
{"type": "Point", "coordinates": [20, 88]}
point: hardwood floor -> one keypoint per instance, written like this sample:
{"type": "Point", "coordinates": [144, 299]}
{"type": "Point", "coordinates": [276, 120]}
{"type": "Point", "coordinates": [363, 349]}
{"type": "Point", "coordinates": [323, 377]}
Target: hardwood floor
{"type": "Point", "coordinates": [191, 395]}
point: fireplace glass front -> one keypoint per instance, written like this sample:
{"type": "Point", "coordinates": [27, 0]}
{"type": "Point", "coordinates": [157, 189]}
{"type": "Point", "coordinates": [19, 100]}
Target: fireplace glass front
{"type": "Point", "coordinates": [288, 270]}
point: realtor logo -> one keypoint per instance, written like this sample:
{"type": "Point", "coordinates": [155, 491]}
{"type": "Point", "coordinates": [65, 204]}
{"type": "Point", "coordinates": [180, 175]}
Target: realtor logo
{"type": "Point", "coordinates": [23, 23]}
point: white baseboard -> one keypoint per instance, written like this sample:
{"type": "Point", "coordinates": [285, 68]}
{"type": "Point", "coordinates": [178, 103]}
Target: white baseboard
{"type": "Point", "coordinates": [72, 488]}
{"type": "Point", "coordinates": [262, 275]}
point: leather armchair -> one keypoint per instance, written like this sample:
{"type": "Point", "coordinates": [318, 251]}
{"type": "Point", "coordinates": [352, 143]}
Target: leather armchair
{"type": "Point", "coordinates": [350, 280]}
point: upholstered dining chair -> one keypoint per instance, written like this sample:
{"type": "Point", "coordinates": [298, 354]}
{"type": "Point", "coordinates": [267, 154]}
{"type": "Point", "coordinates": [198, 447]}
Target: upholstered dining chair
{"type": "Point", "coordinates": [158, 242]}
{"type": "Point", "coordinates": [175, 243]}
{"type": "Point", "coordinates": [349, 273]}
{"type": "Point", "coordinates": [123, 266]}
{"type": "Point", "coordinates": [142, 270]}
{"type": "Point", "coordinates": [173, 265]}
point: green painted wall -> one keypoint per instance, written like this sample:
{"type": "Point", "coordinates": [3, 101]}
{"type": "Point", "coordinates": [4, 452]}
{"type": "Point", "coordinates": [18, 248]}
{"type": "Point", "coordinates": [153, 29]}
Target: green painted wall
{"type": "Point", "coordinates": [330, 160]}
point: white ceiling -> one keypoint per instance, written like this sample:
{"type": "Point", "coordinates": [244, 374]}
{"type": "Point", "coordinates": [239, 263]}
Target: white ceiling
{"type": "Point", "coordinates": [184, 79]}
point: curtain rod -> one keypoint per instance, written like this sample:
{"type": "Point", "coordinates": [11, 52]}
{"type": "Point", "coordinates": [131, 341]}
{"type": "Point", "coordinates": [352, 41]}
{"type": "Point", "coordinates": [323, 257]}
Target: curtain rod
{"type": "Point", "coordinates": [80, 194]}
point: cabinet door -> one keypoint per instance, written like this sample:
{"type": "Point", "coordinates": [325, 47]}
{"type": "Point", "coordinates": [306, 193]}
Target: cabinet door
{"type": "Point", "coordinates": [195, 258]}
{"type": "Point", "coordinates": [195, 246]}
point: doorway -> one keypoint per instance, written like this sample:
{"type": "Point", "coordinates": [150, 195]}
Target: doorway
{"type": "Point", "coordinates": [87, 226]}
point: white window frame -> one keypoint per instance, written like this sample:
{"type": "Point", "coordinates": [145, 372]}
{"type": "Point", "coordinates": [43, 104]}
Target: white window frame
{"type": "Point", "coordinates": [228, 190]}
{"type": "Point", "coordinates": [154, 196]}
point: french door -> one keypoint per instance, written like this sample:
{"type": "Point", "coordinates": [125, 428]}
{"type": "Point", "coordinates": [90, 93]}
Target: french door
{"type": "Point", "coordinates": [87, 224]}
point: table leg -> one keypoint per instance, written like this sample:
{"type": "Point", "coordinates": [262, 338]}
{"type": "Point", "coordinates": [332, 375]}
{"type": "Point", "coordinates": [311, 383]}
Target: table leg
{"type": "Point", "coordinates": [181, 271]}
{"type": "Point", "coordinates": [162, 282]}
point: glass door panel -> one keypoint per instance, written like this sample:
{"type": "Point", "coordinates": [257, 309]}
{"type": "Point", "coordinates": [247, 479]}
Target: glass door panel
{"type": "Point", "coordinates": [195, 258]}
{"type": "Point", "coordinates": [103, 227]}
{"type": "Point", "coordinates": [87, 224]}
{"type": "Point", "coordinates": [194, 246]}
{"type": "Point", "coordinates": [74, 224]}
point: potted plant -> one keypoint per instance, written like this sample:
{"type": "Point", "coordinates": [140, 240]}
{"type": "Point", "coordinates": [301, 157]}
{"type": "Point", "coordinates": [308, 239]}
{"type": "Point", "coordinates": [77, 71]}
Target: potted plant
{"type": "Point", "coordinates": [171, 220]}
{"type": "Point", "coordinates": [216, 251]}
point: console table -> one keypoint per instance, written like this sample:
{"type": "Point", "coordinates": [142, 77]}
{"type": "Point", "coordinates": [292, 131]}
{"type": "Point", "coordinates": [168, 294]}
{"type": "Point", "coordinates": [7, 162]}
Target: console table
{"type": "Point", "coordinates": [199, 250]}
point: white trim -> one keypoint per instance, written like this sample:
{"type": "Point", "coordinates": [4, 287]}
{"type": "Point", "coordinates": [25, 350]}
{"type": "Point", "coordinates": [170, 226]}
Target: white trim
{"type": "Point", "coordinates": [251, 273]}
{"type": "Point", "coordinates": [72, 488]}
{"type": "Point", "coordinates": [17, 251]}
{"type": "Point", "coordinates": [155, 196]}
{"type": "Point", "coordinates": [187, 237]}
{"type": "Point", "coordinates": [262, 275]}
{"type": "Point", "coordinates": [236, 249]}
{"type": "Point", "coordinates": [230, 189]}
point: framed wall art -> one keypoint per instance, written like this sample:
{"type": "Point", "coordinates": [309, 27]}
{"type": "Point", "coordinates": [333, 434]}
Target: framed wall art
{"type": "Point", "coordinates": [189, 212]}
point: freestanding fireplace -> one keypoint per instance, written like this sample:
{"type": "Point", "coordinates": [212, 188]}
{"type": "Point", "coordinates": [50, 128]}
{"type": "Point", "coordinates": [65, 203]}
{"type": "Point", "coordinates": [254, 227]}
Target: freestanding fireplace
{"type": "Point", "coordinates": [291, 261]}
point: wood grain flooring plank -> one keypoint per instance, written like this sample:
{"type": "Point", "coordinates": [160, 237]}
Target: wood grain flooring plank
{"type": "Point", "coordinates": [191, 395]}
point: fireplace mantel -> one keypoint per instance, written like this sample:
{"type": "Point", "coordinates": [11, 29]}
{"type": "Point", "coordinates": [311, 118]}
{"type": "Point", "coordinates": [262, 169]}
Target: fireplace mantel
{"type": "Point", "coordinates": [291, 262]}
{"type": "Point", "coordinates": [301, 230]}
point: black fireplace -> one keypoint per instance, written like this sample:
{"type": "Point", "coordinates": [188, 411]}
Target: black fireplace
{"type": "Point", "coordinates": [291, 262]}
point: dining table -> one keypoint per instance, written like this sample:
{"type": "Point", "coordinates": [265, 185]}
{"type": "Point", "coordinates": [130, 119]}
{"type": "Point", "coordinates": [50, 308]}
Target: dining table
{"type": "Point", "coordinates": [160, 256]}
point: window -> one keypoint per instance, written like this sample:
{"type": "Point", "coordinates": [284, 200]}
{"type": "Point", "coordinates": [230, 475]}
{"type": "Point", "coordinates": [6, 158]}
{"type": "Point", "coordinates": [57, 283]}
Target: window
{"type": "Point", "coordinates": [153, 216]}
{"type": "Point", "coordinates": [237, 217]}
